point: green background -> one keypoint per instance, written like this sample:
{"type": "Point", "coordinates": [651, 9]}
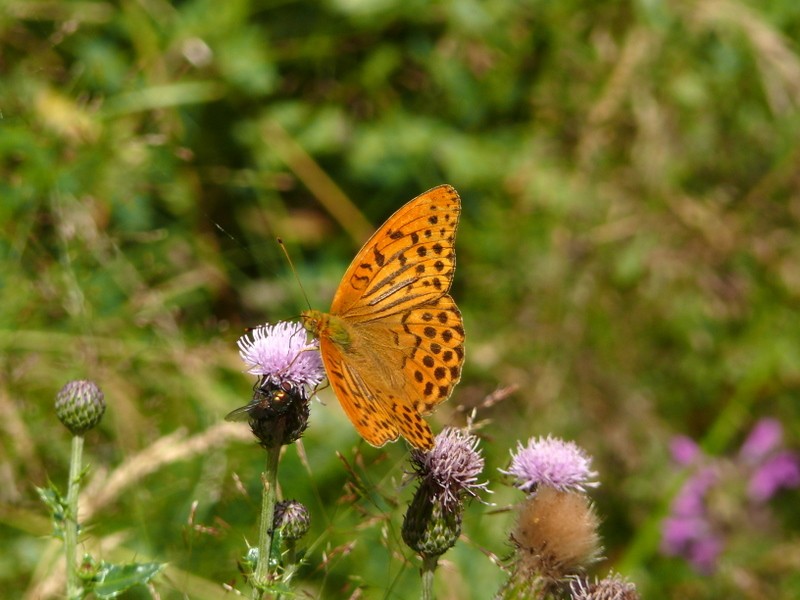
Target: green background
{"type": "Point", "coordinates": [628, 265]}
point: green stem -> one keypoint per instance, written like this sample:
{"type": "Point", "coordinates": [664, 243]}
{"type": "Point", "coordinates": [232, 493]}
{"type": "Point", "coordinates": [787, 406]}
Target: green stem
{"type": "Point", "coordinates": [261, 578]}
{"type": "Point", "coordinates": [429, 564]}
{"type": "Point", "coordinates": [291, 552]}
{"type": "Point", "coordinates": [74, 590]}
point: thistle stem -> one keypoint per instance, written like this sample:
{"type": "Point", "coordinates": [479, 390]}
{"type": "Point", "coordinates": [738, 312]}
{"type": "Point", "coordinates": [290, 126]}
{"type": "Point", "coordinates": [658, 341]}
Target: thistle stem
{"type": "Point", "coordinates": [429, 564]}
{"type": "Point", "coordinates": [261, 577]}
{"type": "Point", "coordinates": [71, 521]}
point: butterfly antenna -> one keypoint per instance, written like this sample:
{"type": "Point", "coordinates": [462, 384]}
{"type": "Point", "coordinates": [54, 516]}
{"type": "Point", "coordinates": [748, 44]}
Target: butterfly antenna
{"type": "Point", "coordinates": [291, 264]}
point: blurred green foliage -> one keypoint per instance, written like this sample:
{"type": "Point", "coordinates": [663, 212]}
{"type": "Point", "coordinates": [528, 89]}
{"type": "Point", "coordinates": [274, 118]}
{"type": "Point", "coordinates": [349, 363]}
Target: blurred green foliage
{"type": "Point", "coordinates": [628, 258]}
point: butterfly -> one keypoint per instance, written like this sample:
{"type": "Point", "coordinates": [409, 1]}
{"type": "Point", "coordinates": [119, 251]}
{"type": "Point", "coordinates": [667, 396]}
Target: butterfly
{"type": "Point", "coordinates": [393, 341]}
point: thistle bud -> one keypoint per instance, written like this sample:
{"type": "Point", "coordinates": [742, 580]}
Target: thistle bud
{"type": "Point", "coordinates": [448, 475]}
{"type": "Point", "coordinates": [429, 528]}
{"type": "Point", "coordinates": [80, 406]}
{"type": "Point", "coordinates": [292, 518]}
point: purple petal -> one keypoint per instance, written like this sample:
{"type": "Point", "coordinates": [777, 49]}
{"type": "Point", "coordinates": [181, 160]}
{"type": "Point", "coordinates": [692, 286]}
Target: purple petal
{"type": "Point", "coordinates": [693, 539]}
{"type": "Point", "coordinates": [281, 352]}
{"type": "Point", "coordinates": [679, 532]}
{"type": "Point", "coordinates": [780, 471]}
{"type": "Point", "coordinates": [684, 450]}
{"type": "Point", "coordinates": [551, 461]}
{"type": "Point", "coordinates": [704, 553]}
{"type": "Point", "coordinates": [690, 500]}
{"type": "Point", "coordinates": [766, 436]}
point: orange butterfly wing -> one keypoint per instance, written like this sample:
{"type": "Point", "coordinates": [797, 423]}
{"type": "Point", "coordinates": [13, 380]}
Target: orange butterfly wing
{"type": "Point", "coordinates": [405, 342]}
{"type": "Point", "coordinates": [361, 403]}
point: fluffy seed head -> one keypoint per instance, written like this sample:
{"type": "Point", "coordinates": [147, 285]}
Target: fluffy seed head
{"type": "Point", "coordinates": [556, 534]}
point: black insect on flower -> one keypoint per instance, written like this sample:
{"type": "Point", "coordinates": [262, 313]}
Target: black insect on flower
{"type": "Point", "coordinates": [269, 400]}
{"type": "Point", "coordinates": [289, 367]}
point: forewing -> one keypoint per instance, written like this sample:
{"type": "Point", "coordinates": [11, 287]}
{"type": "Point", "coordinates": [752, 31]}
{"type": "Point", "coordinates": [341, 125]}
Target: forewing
{"type": "Point", "coordinates": [409, 261]}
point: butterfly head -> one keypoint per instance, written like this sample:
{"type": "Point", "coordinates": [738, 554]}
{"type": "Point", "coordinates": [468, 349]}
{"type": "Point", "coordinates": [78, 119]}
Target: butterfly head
{"type": "Point", "coordinates": [331, 327]}
{"type": "Point", "coordinates": [313, 321]}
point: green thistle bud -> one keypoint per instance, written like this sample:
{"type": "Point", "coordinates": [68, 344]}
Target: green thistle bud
{"type": "Point", "coordinates": [429, 528]}
{"type": "Point", "coordinates": [88, 568]}
{"type": "Point", "coordinates": [292, 518]}
{"type": "Point", "coordinates": [247, 564]}
{"type": "Point", "coordinates": [80, 406]}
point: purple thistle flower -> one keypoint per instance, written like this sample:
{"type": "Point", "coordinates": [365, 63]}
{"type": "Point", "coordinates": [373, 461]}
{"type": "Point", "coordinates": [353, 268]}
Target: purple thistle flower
{"type": "Point", "coordinates": [281, 353]}
{"type": "Point", "coordinates": [452, 468]}
{"type": "Point", "coordinates": [553, 462]}
{"type": "Point", "coordinates": [612, 587]}
{"type": "Point", "coordinates": [447, 475]}
{"type": "Point", "coordinates": [287, 366]}
{"type": "Point", "coordinates": [780, 471]}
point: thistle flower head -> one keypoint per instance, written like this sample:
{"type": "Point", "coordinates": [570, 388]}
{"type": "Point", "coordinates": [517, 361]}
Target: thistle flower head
{"type": "Point", "coordinates": [281, 353]}
{"type": "Point", "coordinates": [428, 529]}
{"type": "Point", "coordinates": [450, 470]}
{"type": "Point", "coordinates": [80, 406]}
{"type": "Point", "coordinates": [612, 587]}
{"type": "Point", "coordinates": [287, 366]}
{"type": "Point", "coordinates": [447, 475]}
{"type": "Point", "coordinates": [292, 518]}
{"type": "Point", "coordinates": [552, 462]}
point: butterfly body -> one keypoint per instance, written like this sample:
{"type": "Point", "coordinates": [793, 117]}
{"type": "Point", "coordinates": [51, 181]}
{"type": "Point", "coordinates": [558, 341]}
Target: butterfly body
{"type": "Point", "coordinates": [393, 342]}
